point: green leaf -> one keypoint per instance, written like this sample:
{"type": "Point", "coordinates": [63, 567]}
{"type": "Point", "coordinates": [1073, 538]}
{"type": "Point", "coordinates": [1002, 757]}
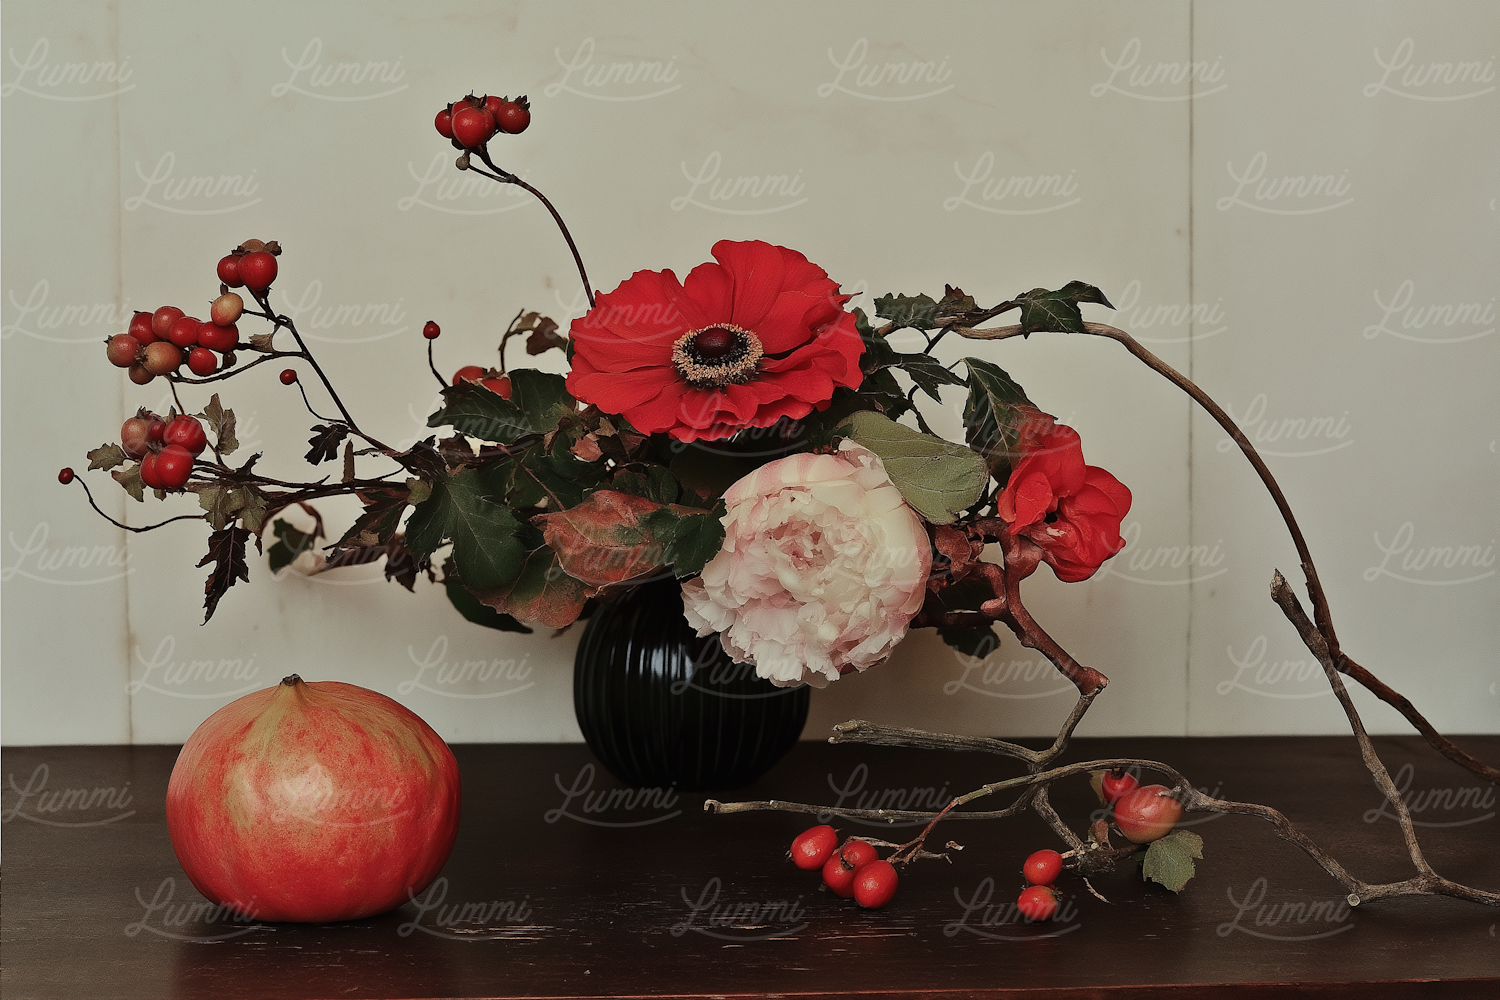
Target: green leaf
{"type": "Point", "coordinates": [106, 456]}
{"type": "Point", "coordinates": [955, 303]}
{"type": "Point", "coordinates": [225, 505]}
{"type": "Point", "coordinates": [938, 478]}
{"type": "Point", "coordinates": [613, 537]}
{"type": "Point", "coordinates": [1057, 311]}
{"type": "Point", "coordinates": [927, 372]}
{"type": "Point", "coordinates": [470, 607]}
{"type": "Point", "coordinates": [130, 479]}
{"type": "Point", "coordinates": [878, 352]}
{"type": "Point", "coordinates": [222, 422]}
{"type": "Point", "coordinates": [418, 490]}
{"type": "Point", "coordinates": [483, 532]}
{"type": "Point", "coordinates": [538, 402]}
{"type": "Point", "coordinates": [695, 537]}
{"type": "Point", "coordinates": [1170, 859]}
{"type": "Point", "coordinates": [916, 311]}
{"type": "Point", "coordinates": [290, 543]}
{"type": "Point", "coordinates": [540, 593]}
{"type": "Point", "coordinates": [992, 419]}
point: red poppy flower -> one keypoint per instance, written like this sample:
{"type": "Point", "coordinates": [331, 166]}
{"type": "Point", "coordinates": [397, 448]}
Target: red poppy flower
{"type": "Point", "coordinates": [758, 336]}
{"type": "Point", "coordinates": [1071, 511]}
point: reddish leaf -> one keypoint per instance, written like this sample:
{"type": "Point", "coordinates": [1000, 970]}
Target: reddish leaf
{"type": "Point", "coordinates": [605, 539]}
{"type": "Point", "coordinates": [542, 594]}
{"type": "Point", "coordinates": [226, 550]}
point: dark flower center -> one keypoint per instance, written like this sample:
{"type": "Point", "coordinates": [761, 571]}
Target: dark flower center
{"type": "Point", "coordinates": [716, 356]}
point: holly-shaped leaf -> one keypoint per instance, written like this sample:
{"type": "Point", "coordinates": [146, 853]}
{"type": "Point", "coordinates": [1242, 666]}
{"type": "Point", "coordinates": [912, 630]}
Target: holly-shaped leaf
{"type": "Point", "coordinates": [1170, 859]}
{"type": "Point", "coordinates": [916, 311]}
{"type": "Point", "coordinates": [325, 442]}
{"type": "Point", "coordinates": [538, 402]}
{"type": "Point", "coordinates": [992, 415]}
{"type": "Point", "coordinates": [222, 422]}
{"type": "Point", "coordinates": [226, 504]}
{"type": "Point", "coordinates": [107, 456]}
{"type": "Point", "coordinates": [482, 531]}
{"type": "Point", "coordinates": [938, 478]}
{"type": "Point", "coordinates": [542, 592]}
{"type": "Point", "coordinates": [130, 479]}
{"type": "Point", "coordinates": [470, 607]}
{"type": "Point", "coordinates": [927, 372]}
{"type": "Point", "coordinates": [1044, 311]}
{"type": "Point", "coordinates": [226, 550]}
{"type": "Point", "coordinates": [290, 543]}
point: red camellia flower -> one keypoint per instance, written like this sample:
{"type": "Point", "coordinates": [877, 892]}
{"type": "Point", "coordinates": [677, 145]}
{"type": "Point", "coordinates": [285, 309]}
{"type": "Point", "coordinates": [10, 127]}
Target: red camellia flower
{"type": "Point", "coordinates": [758, 336]}
{"type": "Point", "coordinates": [1070, 510]}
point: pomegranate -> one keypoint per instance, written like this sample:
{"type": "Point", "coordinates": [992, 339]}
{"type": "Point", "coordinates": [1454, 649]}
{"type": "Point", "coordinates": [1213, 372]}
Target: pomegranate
{"type": "Point", "coordinates": [313, 802]}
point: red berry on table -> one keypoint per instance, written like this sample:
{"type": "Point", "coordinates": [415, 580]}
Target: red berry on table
{"type": "Point", "coordinates": [513, 116]}
{"type": "Point", "coordinates": [288, 376]}
{"type": "Point", "coordinates": [184, 332]}
{"type": "Point", "coordinates": [814, 846]}
{"type": "Point", "coordinates": [65, 476]}
{"type": "Point", "coordinates": [875, 884]}
{"type": "Point", "coordinates": [202, 362]}
{"type": "Point", "coordinates": [499, 386]}
{"type": "Point", "coordinates": [1117, 784]}
{"type": "Point", "coordinates": [444, 123]}
{"type": "Point", "coordinates": [187, 432]}
{"type": "Point", "coordinates": [148, 471]}
{"type": "Point", "coordinates": [226, 309]}
{"type": "Point", "coordinates": [258, 270]}
{"type": "Point", "coordinates": [430, 330]}
{"type": "Point", "coordinates": [174, 465]}
{"type": "Point", "coordinates": [229, 271]}
{"type": "Point", "coordinates": [121, 350]}
{"type": "Point", "coordinates": [1037, 902]}
{"type": "Point", "coordinates": [468, 373]}
{"type": "Point", "coordinates": [218, 338]}
{"type": "Point", "coordinates": [472, 126]}
{"type": "Point", "coordinates": [839, 870]}
{"type": "Point", "coordinates": [1147, 814]}
{"type": "Point", "coordinates": [140, 328]}
{"type": "Point", "coordinates": [139, 375]}
{"type": "Point", "coordinates": [162, 358]}
{"type": "Point", "coordinates": [1043, 867]}
{"type": "Point", "coordinates": [162, 320]}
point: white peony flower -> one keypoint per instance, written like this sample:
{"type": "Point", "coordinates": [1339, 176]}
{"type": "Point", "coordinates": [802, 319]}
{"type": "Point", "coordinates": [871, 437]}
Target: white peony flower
{"type": "Point", "coordinates": [822, 568]}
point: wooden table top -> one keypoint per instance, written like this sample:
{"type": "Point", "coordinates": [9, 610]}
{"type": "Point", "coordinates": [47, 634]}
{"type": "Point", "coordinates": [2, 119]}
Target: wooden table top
{"type": "Point", "coordinates": [557, 888]}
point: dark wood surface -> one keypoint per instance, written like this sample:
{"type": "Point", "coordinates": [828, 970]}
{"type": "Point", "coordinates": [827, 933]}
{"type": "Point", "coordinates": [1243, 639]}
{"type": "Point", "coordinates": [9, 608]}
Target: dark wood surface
{"type": "Point", "coordinates": [655, 897]}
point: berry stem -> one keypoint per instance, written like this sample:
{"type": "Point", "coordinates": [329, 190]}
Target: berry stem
{"type": "Point", "coordinates": [433, 367]}
{"type": "Point", "coordinates": [150, 527]}
{"type": "Point", "coordinates": [506, 177]}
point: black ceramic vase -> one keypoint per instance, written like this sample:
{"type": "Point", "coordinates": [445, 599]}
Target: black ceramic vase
{"type": "Point", "coordinates": [662, 708]}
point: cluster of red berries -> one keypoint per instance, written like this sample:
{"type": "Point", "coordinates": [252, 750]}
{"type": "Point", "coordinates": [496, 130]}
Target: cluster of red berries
{"type": "Point", "coordinates": [1143, 813]}
{"type": "Point", "coordinates": [251, 265]}
{"type": "Point", "coordinates": [1038, 901]}
{"type": "Point", "coordinates": [158, 343]}
{"type": "Point", "coordinates": [166, 448]}
{"type": "Point", "coordinates": [855, 869]}
{"type": "Point", "coordinates": [472, 121]}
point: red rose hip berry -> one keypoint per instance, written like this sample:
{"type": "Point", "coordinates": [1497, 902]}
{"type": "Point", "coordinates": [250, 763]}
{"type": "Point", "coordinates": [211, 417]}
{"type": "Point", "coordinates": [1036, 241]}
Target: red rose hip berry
{"type": "Point", "coordinates": [1037, 902]}
{"type": "Point", "coordinates": [133, 437]}
{"type": "Point", "coordinates": [148, 471]}
{"type": "Point", "coordinates": [65, 476]}
{"type": "Point", "coordinates": [218, 338]}
{"type": "Point", "coordinates": [174, 465]}
{"type": "Point", "coordinates": [472, 126]}
{"type": "Point", "coordinates": [288, 376]}
{"type": "Point", "coordinates": [229, 271]}
{"type": "Point", "coordinates": [444, 123]}
{"type": "Point", "coordinates": [187, 432]}
{"type": "Point", "coordinates": [162, 358]}
{"type": "Point", "coordinates": [140, 328]}
{"type": "Point", "coordinates": [162, 320]}
{"type": "Point", "coordinates": [513, 116]}
{"type": "Point", "coordinates": [499, 386]}
{"type": "Point", "coordinates": [1117, 784]}
{"type": "Point", "coordinates": [202, 362]}
{"type": "Point", "coordinates": [814, 846]}
{"type": "Point", "coordinates": [226, 309]}
{"type": "Point", "coordinates": [431, 330]}
{"type": "Point", "coordinates": [184, 331]}
{"type": "Point", "coordinates": [121, 350]}
{"type": "Point", "coordinates": [1043, 867]}
{"type": "Point", "coordinates": [139, 375]}
{"type": "Point", "coordinates": [875, 884]}
{"type": "Point", "coordinates": [468, 373]}
{"type": "Point", "coordinates": [839, 870]}
{"type": "Point", "coordinates": [1147, 814]}
{"type": "Point", "coordinates": [258, 270]}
